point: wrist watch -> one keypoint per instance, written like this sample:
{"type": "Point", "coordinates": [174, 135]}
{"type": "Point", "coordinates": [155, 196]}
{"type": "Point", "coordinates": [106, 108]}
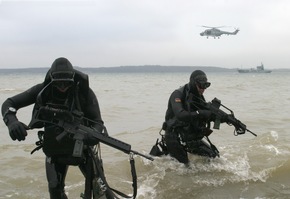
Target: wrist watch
{"type": "Point", "coordinates": [9, 110]}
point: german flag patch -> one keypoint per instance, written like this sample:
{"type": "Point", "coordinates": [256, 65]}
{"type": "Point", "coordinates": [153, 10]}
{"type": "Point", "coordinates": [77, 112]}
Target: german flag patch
{"type": "Point", "coordinates": [178, 100]}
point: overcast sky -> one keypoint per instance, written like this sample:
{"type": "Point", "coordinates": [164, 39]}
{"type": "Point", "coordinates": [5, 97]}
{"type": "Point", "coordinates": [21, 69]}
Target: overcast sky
{"type": "Point", "coordinates": [105, 33]}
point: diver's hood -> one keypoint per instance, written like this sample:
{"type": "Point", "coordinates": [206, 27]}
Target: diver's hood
{"type": "Point", "coordinates": [61, 70]}
{"type": "Point", "coordinates": [197, 76]}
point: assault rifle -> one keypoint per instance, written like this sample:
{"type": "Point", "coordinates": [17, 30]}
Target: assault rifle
{"type": "Point", "coordinates": [71, 122]}
{"type": "Point", "coordinates": [221, 116]}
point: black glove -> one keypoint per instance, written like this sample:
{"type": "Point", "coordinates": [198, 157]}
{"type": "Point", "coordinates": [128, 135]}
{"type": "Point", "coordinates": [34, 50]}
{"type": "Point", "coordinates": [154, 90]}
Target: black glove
{"type": "Point", "coordinates": [204, 114]}
{"type": "Point", "coordinates": [17, 130]}
{"type": "Point", "coordinates": [224, 118]}
{"type": "Point", "coordinates": [90, 140]}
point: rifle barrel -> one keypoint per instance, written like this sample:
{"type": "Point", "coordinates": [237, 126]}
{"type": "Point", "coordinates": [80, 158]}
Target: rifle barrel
{"type": "Point", "coordinates": [145, 156]}
{"type": "Point", "coordinates": [251, 132]}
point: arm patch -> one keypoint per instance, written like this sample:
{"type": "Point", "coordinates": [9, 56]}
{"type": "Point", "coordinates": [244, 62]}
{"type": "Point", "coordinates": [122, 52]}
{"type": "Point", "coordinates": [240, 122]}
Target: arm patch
{"type": "Point", "coordinates": [177, 100]}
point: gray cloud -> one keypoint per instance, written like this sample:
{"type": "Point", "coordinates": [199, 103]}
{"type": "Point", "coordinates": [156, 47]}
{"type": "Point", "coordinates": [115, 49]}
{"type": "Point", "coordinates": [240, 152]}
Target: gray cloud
{"type": "Point", "coordinates": [97, 33]}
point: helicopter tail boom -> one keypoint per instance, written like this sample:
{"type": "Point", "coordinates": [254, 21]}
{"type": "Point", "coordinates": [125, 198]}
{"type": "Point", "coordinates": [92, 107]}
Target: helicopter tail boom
{"type": "Point", "coordinates": [235, 32]}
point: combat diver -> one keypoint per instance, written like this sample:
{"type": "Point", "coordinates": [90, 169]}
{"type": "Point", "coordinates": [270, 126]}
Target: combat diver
{"type": "Point", "coordinates": [68, 89]}
{"type": "Point", "coordinates": [187, 122]}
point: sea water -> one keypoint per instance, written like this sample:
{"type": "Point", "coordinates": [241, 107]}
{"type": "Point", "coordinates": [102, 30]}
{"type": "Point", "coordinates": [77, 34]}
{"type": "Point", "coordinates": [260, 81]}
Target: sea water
{"type": "Point", "coordinates": [133, 106]}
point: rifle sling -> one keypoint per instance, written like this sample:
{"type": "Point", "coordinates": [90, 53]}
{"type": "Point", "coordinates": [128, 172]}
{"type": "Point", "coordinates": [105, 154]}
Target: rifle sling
{"type": "Point", "coordinates": [134, 179]}
{"type": "Point", "coordinates": [211, 145]}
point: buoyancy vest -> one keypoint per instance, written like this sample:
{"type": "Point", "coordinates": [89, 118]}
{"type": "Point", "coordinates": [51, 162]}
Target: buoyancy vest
{"type": "Point", "coordinates": [76, 100]}
{"type": "Point", "coordinates": [187, 130]}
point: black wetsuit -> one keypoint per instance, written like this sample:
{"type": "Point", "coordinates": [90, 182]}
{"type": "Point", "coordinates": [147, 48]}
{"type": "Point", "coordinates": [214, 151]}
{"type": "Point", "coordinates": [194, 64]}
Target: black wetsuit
{"type": "Point", "coordinates": [184, 130]}
{"type": "Point", "coordinates": [57, 157]}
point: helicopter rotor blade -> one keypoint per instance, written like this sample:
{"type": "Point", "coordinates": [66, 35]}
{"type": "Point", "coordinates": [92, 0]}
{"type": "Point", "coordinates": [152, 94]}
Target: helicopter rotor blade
{"type": "Point", "coordinates": [213, 27]}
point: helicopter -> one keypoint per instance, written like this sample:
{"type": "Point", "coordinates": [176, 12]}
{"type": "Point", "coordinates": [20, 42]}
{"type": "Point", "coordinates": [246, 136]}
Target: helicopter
{"type": "Point", "coordinates": [216, 32]}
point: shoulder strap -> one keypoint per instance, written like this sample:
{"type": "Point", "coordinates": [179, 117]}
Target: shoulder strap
{"type": "Point", "coordinates": [111, 190]}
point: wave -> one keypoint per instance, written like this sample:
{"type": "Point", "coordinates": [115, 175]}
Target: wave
{"type": "Point", "coordinates": [253, 163]}
{"type": "Point", "coordinates": [7, 89]}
